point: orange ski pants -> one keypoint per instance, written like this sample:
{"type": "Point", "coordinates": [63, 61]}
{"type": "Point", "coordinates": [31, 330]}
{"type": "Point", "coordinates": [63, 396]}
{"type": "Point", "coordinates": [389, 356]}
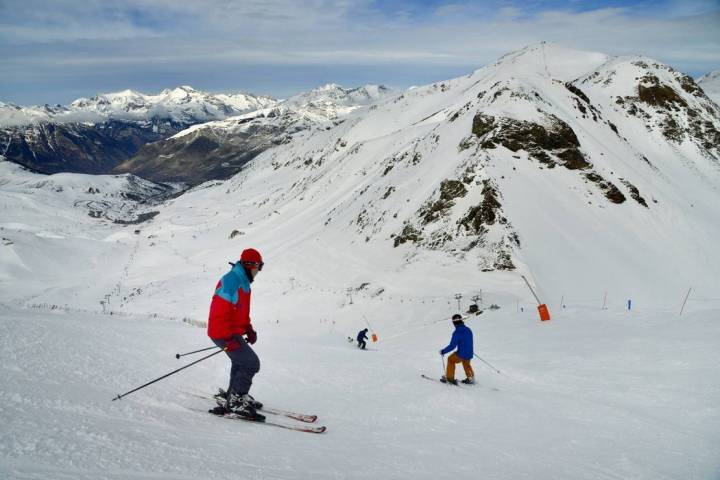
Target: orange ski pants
{"type": "Point", "coordinates": [452, 360]}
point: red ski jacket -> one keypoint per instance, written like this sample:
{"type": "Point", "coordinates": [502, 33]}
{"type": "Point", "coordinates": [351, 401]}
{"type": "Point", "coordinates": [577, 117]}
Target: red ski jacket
{"type": "Point", "coordinates": [230, 306]}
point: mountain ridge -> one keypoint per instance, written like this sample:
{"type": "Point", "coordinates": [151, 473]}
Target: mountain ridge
{"type": "Point", "coordinates": [503, 171]}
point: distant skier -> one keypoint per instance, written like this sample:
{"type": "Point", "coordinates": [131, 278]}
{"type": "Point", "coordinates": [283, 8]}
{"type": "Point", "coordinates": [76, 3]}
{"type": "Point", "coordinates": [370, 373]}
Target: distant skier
{"type": "Point", "coordinates": [462, 338]}
{"type": "Point", "coordinates": [228, 321]}
{"type": "Point", "coordinates": [361, 337]}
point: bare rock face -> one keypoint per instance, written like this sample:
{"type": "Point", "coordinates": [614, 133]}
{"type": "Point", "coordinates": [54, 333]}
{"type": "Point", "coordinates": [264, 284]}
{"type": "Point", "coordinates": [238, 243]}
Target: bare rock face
{"type": "Point", "coordinates": [554, 144]}
{"type": "Point", "coordinates": [77, 147]}
{"type": "Point", "coordinates": [673, 103]}
{"type": "Point", "coordinates": [214, 152]}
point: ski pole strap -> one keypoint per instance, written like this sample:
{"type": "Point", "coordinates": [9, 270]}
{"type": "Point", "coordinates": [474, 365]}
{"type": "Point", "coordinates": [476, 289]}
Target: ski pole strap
{"type": "Point", "coordinates": [167, 375]}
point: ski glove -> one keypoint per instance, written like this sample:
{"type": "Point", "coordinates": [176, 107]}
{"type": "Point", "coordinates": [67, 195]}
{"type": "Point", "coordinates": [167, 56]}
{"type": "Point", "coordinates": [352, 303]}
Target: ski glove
{"type": "Point", "coordinates": [251, 336]}
{"type": "Point", "coordinates": [233, 343]}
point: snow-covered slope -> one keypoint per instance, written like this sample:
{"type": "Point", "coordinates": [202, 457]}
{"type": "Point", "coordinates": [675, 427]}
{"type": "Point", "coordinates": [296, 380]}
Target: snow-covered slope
{"type": "Point", "coordinates": [505, 169]}
{"type": "Point", "coordinates": [591, 395]}
{"type": "Point", "coordinates": [67, 201]}
{"type": "Point", "coordinates": [559, 165]}
{"type": "Point", "coordinates": [710, 83]}
{"type": "Point", "coordinates": [331, 101]}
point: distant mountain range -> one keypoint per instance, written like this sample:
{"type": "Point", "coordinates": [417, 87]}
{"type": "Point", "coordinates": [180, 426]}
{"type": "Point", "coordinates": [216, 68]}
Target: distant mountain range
{"type": "Point", "coordinates": [98, 134]}
{"type": "Point", "coordinates": [181, 105]}
{"type": "Point", "coordinates": [218, 150]}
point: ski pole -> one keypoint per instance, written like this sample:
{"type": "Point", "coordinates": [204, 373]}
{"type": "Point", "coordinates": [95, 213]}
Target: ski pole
{"type": "Point", "coordinates": [368, 323]}
{"type": "Point", "coordinates": [373, 335]}
{"type": "Point", "coordinates": [486, 363]}
{"type": "Point", "coordinates": [178, 355]}
{"type": "Point", "coordinates": [443, 363]}
{"type": "Point", "coordinates": [165, 376]}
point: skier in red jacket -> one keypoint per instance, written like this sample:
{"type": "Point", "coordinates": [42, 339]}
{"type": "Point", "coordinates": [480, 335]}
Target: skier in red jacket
{"type": "Point", "coordinates": [229, 320]}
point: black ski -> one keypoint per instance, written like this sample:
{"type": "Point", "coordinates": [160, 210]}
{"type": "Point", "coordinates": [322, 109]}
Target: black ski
{"type": "Point", "coordinates": [302, 417]}
{"type": "Point", "coordinates": [438, 380]}
{"type": "Point", "coordinates": [219, 412]}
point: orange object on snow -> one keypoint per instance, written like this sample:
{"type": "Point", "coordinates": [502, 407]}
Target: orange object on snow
{"type": "Point", "coordinates": [544, 313]}
{"type": "Point", "coordinates": [374, 337]}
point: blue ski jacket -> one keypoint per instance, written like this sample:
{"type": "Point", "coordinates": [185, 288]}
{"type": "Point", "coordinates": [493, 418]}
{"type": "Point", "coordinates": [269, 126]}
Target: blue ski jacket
{"type": "Point", "coordinates": [462, 338]}
{"type": "Point", "coordinates": [362, 335]}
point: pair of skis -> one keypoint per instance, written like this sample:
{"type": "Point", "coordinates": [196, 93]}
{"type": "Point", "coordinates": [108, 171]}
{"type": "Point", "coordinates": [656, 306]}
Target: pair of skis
{"type": "Point", "coordinates": [438, 380]}
{"type": "Point", "coordinates": [435, 379]}
{"type": "Point", "coordinates": [301, 417]}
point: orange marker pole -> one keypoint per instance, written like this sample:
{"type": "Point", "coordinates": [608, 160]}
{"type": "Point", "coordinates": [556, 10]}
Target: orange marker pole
{"type": "Point", "coordinates": [542, 308]}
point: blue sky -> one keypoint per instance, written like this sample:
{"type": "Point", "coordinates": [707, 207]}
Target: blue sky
{"type": "Point", "coordinates": [59, 50]}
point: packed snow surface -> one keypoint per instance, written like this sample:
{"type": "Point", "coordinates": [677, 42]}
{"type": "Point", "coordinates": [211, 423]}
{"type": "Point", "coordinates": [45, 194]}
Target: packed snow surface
{"type": "Point", "coordinates": [592, 394]}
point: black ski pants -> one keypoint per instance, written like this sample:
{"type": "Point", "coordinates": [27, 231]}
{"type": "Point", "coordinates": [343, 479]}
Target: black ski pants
{"type": "Point", "coordinates": [245, 364]}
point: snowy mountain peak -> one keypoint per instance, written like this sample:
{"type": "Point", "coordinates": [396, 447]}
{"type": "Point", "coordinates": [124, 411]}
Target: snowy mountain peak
{"type": "Point", "coordinates": [660, 98]}
{"type": "Point", "coordinates": [336, 96]}
{"type": "Point", "coordinates": [182, 104]}
{"type": "Point", "coordinates": [551, 60]}
{"type": "Point", "coordinates": [710, 83]}
{"type": "Point", "coordinates": [328, 87]}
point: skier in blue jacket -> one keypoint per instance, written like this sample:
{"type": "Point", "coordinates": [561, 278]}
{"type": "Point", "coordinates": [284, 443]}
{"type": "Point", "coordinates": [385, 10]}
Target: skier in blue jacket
{"type": "Point", "coordinates": [462, 339]}
{"type": "Point", "coordinates": [361, 337]}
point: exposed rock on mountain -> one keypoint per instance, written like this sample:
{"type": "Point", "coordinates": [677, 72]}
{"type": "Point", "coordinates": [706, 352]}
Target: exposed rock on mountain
{"type": "Point", "coordinates": [78, 147]}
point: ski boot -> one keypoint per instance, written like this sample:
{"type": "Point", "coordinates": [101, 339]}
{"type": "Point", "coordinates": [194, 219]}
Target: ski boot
{"type": "Point", "coordinates": [241, 405]}
{"type": "Point", "coordinates": [452, 381]}
{"type": "Point", "coordinates": [469, 381]}
{"type": "Point", "coordinates": [221, 399]}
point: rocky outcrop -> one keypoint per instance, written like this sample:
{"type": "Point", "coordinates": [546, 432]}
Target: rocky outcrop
{"type": "Point", "coordinates": [212, 152]}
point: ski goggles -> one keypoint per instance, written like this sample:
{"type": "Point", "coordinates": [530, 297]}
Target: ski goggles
{"type": "Point", "coordinates": [258, 265]}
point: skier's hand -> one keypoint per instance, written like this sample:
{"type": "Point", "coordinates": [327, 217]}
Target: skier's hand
{"type": "Point", "coordinates": [251, 335]}
{"type": "Point", "coordinates": [441, 353]}
{"type": "Point", "coordinates": [232, 344]}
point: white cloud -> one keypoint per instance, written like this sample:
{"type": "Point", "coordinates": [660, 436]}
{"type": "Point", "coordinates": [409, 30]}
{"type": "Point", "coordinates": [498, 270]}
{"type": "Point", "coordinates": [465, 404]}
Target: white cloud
{"type": "Point", "coordinates": [37, 37]}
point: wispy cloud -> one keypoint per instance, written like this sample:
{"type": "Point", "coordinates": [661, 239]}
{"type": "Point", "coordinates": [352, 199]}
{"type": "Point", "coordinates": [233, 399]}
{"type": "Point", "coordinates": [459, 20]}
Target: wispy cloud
{"type": "Point", "coordinates": [166, 39]}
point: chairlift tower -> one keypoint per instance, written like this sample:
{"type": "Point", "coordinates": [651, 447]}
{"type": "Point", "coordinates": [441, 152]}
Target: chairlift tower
{"type": "Point", "coordinates": [458, 296]}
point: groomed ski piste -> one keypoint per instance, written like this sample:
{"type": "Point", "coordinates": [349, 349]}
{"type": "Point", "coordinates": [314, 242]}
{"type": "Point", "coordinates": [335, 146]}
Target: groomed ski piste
{"type": "Point", "coordinates": [592, 394]}
{"type": "Point", "coordinates": [90, 309]}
